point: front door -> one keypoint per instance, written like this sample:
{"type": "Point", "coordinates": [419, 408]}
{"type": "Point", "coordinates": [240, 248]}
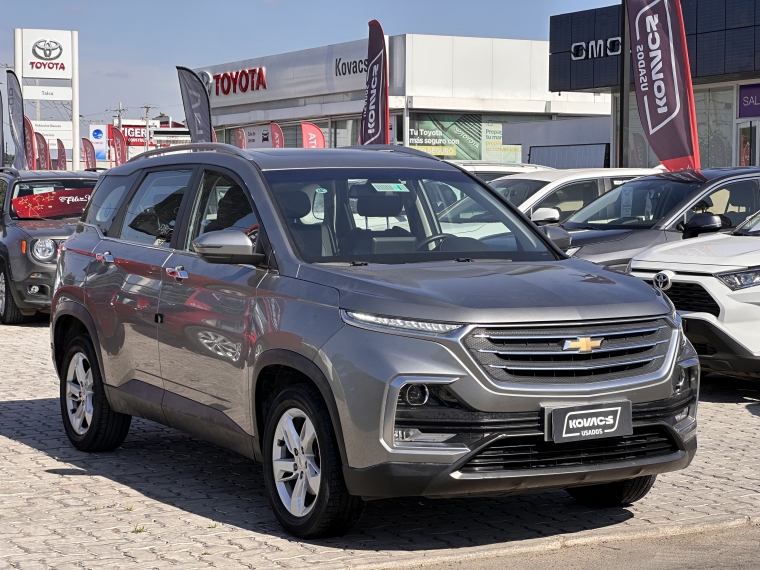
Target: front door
{"type": "Point", "coordinates": [206, 335]}
{"type": "Point", "coordinates": [747, 147]}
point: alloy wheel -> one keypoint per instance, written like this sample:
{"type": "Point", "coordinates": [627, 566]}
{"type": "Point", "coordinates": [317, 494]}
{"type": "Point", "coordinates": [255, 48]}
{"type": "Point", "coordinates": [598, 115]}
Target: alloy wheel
{"type": "Point", "coordinates": [79, 392]}
{"type": "Point", "coordinates": [220, 345]}
{"type": "Point", "coordinates": [296, 462]}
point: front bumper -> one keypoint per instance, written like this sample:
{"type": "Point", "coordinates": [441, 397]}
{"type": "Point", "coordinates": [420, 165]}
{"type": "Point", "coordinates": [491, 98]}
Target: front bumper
{"type": "Point", "coordinates": [718, 351]}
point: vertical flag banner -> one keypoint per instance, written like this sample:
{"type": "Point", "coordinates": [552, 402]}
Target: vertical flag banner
{"type": "Point", "coordinates": [43, 152]}
{"type": "Point", "coordinates": [278, 138]}
{"type": "Point", "coordinates": [30, 145]}
{"type": "Point", "coordinates": [89, 153]}
{"type": "Point", "coordinates": [16, 119]}
{"type": "Point", "coordinates": [61, 155]}
{"type": "Point", "coordinates": [240, 138]}
{"type": "Point", "coordinates": [660, 63]}
{"type": "Point", "coordinates": [119, 146]}
{"type": "Point", "coordinates": [312, 136]}
{"type": "Point", "coordinates": [197, 105]}
{"type": "Point", "coordinates": [2, 133]}
{"type": "Point", "coordinates": [376, 117]}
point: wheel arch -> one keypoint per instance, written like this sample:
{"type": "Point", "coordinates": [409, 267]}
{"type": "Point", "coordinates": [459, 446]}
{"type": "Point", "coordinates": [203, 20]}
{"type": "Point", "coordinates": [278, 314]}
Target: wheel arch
{"type": "Point", "coordinates": [276, 369]}
{"type": "Point", "coordinates": [69, 321]}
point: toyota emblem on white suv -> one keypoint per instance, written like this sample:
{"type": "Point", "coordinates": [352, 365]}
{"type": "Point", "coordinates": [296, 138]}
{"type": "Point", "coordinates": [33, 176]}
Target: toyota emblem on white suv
{"type": "Point", "coordinates": [47, 49]}
{"type": "Point", "coordinates": [662, 281]}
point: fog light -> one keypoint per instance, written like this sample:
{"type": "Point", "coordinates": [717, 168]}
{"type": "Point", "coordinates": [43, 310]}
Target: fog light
{"type": "Point", "coordinates": [416, 394]}
{"type": "Point", "coordinates": [411, 435]}
{"type": "Point", "coordinates": [34, 289]}
{"type": "Point", "coordinates": [36, 276]}
{"type": "Point", "coordinates": [682, 414]}
{"type": "Point", "coordinates": [682, 383]}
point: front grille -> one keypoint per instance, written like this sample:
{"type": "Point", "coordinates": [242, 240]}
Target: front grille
{"type": "Point", "coordinates": [514, 454]}
{"type": "Point", "coordinates": [692, 297]}
{"type": "Point", "coordinates": [704, 348]}
{"type": "Point", "coordinates": [462, 421]}
{"type": "Point", "coordinates": [546, 355]}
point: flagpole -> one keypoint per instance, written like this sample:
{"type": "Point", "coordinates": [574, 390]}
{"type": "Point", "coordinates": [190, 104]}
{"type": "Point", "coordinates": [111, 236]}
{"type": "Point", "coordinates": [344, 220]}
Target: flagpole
{"type": "Point", "coordinates": [625, 86]}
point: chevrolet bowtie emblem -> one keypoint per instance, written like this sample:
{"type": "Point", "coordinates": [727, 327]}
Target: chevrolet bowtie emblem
{"type": "Point", "coordinates": [583, 344]}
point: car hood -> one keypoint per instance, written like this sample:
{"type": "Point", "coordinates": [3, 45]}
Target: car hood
{"type": "Point", "coordinates": [47, 228]}
{"type": "Point", "coordinates": [716, 249]}
{"type": "Point", "coordinates": [490, 292]}
{"type": "Point", "coordinates": [588, 237]}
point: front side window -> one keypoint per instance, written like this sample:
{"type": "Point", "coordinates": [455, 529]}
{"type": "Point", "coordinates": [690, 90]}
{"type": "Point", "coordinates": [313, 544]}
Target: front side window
{"type": "Point", "coordinates": [152, 213]}
{"type": "Point", "coordinates": [733, 202]}
{"type": "Point", "coordinates": [221, 204]}
{"type": "Point", "coordinates": [392, 215]}
{"type": "Point", "coordinates": [51, 199]}
{"type": "Point", "coordinates": [106, 201]}
{"type": "Point", "coordinates": [570, 198]}
{"type": "Point", "coordinates": [3, 191]}
{"type": "Point", "coordinates": [638, 204]}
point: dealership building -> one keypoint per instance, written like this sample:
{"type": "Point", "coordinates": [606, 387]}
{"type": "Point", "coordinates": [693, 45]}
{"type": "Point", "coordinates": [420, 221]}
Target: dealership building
{"type": "Point", "coordinates": [723, 38]}
{"type": "Point", "coordinates": [450, 96]}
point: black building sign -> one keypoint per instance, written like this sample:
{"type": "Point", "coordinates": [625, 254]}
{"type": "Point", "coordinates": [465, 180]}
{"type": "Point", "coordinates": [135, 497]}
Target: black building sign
{"type": "Point", "coordinates": [723, 37]}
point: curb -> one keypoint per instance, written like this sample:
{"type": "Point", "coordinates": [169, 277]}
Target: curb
{"type": "Point", "coordinates": [561, 541]}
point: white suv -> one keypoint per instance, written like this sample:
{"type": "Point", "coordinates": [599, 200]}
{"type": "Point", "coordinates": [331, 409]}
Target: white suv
{"type": "Point", "coordinates": [714, 282]}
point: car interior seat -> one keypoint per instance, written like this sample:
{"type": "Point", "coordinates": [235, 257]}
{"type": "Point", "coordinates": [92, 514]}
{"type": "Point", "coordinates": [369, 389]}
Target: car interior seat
{"type": "Point", "coordinates": [742, 202]}
{"type": "Point", "coordinates": [313, 240]}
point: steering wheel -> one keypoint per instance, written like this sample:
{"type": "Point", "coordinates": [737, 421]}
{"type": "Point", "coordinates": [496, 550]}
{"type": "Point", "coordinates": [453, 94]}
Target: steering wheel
{"type": "Point", "coordinates": [431, 239]}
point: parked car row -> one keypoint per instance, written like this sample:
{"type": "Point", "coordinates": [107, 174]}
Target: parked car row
{"type": "Point", "coordinates": [377, 324]}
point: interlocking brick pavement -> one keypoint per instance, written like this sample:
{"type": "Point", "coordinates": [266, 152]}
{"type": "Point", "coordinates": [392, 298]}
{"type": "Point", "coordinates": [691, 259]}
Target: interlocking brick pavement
{"type": "Point", "coordinates": [166, 500]}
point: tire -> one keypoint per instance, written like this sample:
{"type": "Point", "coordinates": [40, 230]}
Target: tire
{"type": "Point", "coordinates": [330, 511]}
{"type": "Point", "coordinates": [614, 494]}
{"type": "Point", "coordinates": [9, 311]}
{"type": "Point", "coordinates": [90, 423]}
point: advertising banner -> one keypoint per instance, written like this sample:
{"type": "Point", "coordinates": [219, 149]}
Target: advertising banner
{"type": "Point", "coordinates": [447, 135]}
{"type": "Point", "coordinates": [663, 81]}
{"type": "Point", "coordinates": [259, 136]}
{"type": "Point", "coordinates": [46, 54]}
{"type": "Point", "coordinates": [89, 153]}
{"type": "Point", "coordinates": [119, 147]}
{"type": "Point", "coordinates": [99, 141]}
{"type": "Point", "coordinates": [16, 120]}
{"type": "Point", "coordinates": [240, 138]}
{"type": "Point", "coordinates": [376, 117]}
{"type": "Point", "coordinates": [2, 133]}
{"type": "Point", "coordinates": [30, 144]}
{"type": "Point", "coordinates": [43, 152]}
{"type": "Point", "coordinates": [197, 106]}
{"type": "Point", "coordinates": [312, 136]}
{"type": "Point", "coordinates": [52, 130]}
{"type": "Point", "coordinates": [61, 155]}
{"type": "Point", "coordinates": [278, 138]}
{"type": "Point", "coordinates": [49, 204]}
{"type": "Point", "coordinates": [492, 147]}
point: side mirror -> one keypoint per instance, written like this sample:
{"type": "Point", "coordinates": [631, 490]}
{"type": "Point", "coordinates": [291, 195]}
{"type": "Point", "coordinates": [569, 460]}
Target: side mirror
{"type": "Point", "coordinates": [561, 238]}
{"type": "Point", "coordinates": [700, 224]}
{"type": "Point", "coordinates": [544, 216]}
{"type": "Point", "coordinates": [227, 246]}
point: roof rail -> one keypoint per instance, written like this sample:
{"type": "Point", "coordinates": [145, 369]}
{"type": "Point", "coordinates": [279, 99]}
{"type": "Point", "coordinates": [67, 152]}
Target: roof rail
{"type": "Point", "coordinates": [393, 148]}
{"type": "Point", "coordinates": [96, 169]}
{"type": "Point", "coordinates": [193, 147]}
{"type": "Point", "coordinates": [9, 170]}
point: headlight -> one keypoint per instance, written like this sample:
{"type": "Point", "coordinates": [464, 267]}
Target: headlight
{"type": "Point", "coordinates": [736, 280]}
{"type": "Point", "coordinates": [44, 250]}
{"type": "Point", "coordinates": [571, 251]}
{"type": "Point", "coordinates": [399, 324]}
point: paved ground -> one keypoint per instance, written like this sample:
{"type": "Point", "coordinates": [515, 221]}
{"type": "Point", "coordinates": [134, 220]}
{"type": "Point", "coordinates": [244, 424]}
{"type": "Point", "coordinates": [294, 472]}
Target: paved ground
{"type": "Point", "coordinates": [166, 500]}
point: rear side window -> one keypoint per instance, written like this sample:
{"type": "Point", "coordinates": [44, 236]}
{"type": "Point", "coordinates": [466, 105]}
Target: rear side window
{"type": "Point", "coordinates": [3, 191]}
{"type": "Point", "coordinates": [105, 202]}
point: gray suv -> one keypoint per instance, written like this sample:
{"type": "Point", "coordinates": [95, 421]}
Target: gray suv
{"type": "Point", "coordinates": [317, 311]}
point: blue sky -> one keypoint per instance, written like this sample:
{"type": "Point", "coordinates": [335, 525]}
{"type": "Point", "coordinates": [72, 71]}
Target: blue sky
{"type": "Point", "coordinates": [128, 49]}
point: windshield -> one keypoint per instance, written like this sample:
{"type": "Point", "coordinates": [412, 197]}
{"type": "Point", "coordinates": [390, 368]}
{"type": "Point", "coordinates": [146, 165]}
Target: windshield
{"type": "Point", "coordinates": [383, 215]}
{"type": "Point", "coordinates": [639, 204]}
{"type": "Point", "coordinates": [51, 199]}
{"type": "Point", "coordinates": [489, 176]}
{"type": "Point", "coordinates": [517, 190]}
{"type": "Point", "coordinates": [751, 227]}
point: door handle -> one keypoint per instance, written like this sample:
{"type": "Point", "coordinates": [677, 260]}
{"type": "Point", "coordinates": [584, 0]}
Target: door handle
{"type": "Point", "coordinates": [105, 257]}
{"type": "Point", "coordinates": [177, 272]}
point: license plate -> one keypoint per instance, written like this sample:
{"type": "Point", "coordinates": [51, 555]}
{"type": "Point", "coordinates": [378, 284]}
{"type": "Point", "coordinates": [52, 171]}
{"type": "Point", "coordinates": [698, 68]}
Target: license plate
{"type": "Point", "coordinates": [592, 421]}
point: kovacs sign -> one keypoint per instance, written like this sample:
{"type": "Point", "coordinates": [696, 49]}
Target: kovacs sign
{"type": "Point", "coordinates": [47, 54]}
{"type": "Point", "coordinates": [596, 48]}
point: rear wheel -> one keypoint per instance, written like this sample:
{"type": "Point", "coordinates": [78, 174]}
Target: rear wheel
{"type": "Point", "coordinates": [302, 467]}
{"type": "Point", "coordinates": [614, 494]}
{"type": "Point", "coordinates": [90, 423]}
{"type": "Point", "coordinates": [9, 312]}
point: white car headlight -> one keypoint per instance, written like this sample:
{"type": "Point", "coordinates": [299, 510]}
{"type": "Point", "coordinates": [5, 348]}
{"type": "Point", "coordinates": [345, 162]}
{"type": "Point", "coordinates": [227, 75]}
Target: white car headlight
{"type": "Point", "coordinates": [44, 250]}
{"type": "Point", "coordinates": [736, 280]}
{"type": "Point", "coordinates": [572, 251]}
{"type": "Point", "coordinates": [399, 324]}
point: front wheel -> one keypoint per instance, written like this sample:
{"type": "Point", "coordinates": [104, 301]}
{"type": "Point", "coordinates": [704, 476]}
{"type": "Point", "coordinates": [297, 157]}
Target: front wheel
{"type": "Point", "coordinates": [614, 494]}
{"type": "Point", "coordinates": [302, 467]}
{"type": "Point", "coordinates": [9, 312]}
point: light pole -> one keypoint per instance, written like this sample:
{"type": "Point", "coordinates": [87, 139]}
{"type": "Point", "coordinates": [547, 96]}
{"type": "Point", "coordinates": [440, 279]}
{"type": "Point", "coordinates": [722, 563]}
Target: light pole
{"type": "Point", "coordinates": [625, 87]}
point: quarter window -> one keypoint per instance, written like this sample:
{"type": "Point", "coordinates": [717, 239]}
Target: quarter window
{"type": "Point", "coordinates": [152, 212]}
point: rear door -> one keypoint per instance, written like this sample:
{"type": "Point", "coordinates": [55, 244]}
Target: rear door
{"type": "Point", "coordinates": [124, 282]}
{"type": "Point", "coordinates": [206, 335]}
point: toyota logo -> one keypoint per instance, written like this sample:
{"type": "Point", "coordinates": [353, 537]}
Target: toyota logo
{"type": "Point", "coordinates": [47, 49]}
{"type": "Point", "coordinates": [662, 281]}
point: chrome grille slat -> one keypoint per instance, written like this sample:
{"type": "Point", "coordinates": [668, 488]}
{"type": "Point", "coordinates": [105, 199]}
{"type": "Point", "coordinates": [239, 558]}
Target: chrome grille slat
{"type": "Point", "coordinates": [580, 367]}
{"type": "Point", "coordinates": [558, 336]}
{"type": "Point", "coordinates": [551, 352]}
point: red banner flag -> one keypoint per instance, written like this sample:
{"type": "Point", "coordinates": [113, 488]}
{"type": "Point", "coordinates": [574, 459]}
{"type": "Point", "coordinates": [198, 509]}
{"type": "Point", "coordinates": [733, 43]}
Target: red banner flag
{"type": "Point", "coordinates": [43, 152]}
{"type": "Point", "coordinates": [312, 136]}
{"type": "Point", "coordinates": [240, 138]}
{"type": "Point", "coordinates": [278, 138]}
{"type": "Point", "coordinates": [376, 118]}
{"type": "Point", "coordinates": [61, 155]}
{"type": "Point", "coordinates": [29, 143]}
{"type": "Point", "coordinates": [119, 146]}
{"type": "Point", "coordinates": [663, 81]}
{"type": "Point", "coordinates": [89, 153]}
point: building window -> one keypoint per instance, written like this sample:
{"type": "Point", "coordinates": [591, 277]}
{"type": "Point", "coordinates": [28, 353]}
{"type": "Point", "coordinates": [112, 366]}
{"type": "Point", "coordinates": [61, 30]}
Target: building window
{"type": "Point", "coordinates": [715, 123]}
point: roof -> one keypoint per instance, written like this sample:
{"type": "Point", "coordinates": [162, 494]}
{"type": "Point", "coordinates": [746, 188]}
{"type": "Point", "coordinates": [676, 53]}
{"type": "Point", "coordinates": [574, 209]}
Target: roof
{"type": "Point", "coordinates": [45, 174]}
{"type": "Point", "coordinates": [579, 173]}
